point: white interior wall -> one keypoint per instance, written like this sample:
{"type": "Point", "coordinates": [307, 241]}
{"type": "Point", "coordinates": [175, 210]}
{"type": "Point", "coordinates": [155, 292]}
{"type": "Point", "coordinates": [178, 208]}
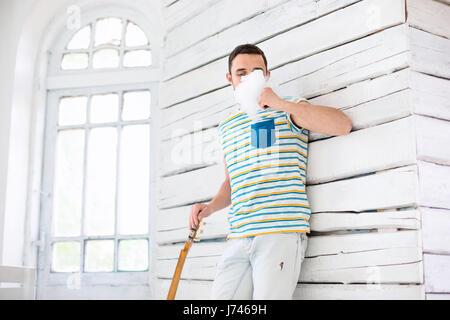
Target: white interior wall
{"type": "Point", "coordinates": [27, 30]}
{"type": "Point", "coordinates": [12, 18]}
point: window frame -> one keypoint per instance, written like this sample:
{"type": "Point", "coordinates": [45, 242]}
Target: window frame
{"type": "Point", "coordinates": [57, 51]}
{"type": "Point", "coordinates": [61, 83]}
{"type": "Point", "coordinates": [115, 277]}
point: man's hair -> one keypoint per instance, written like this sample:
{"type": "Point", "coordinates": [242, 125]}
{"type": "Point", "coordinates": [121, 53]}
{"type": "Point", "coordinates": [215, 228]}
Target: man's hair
{"type": "Point", "coordinates": [245, 48]}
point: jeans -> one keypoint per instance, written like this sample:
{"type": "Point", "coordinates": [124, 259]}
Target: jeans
{"type": "Point", "coordinates": [262, 267]}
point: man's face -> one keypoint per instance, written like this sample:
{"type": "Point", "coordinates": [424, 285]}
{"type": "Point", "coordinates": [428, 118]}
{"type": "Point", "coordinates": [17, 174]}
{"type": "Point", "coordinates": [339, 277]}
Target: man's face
{"type": "Point", "coordinates": [244, 64]}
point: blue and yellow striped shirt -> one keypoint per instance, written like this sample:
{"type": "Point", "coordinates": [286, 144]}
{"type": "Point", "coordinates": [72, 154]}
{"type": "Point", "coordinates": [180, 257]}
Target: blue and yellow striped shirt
{"type": "Point", "coordinates": [268, 193]}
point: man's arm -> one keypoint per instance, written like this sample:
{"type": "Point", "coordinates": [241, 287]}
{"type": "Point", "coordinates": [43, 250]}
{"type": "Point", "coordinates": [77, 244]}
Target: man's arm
{"type": "Point", "coordinates": [221, 200]}
{"type": "Point", "coordinates": [305, 115]}
{"type": "Point", "coordinates": [318, 118]}
{"type": "Point", "coordinates": [223, 196]}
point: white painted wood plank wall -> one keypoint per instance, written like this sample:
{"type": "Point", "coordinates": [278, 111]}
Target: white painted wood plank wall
{"type": "Point", "coordinates": [381, 207]}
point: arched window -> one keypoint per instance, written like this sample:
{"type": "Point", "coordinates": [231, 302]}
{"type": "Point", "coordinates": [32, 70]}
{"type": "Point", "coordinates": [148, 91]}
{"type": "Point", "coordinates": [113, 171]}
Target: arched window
{"type": "Point", "coordinates": [110, 42]}
{"type": "Point", "coordinates": [102, 85]}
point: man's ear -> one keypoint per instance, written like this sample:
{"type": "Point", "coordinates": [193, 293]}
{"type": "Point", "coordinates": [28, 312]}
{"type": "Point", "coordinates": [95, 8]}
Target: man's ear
{"type": "Point", "coordinates": [228, 77]}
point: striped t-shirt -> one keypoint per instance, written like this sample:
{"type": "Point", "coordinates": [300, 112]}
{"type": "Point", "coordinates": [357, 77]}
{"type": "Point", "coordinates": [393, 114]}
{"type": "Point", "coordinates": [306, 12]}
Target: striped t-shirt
{"type": "Point", "coordinates": [268, 193]}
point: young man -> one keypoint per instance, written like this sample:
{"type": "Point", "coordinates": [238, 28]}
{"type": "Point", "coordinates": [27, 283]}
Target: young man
{"type": "Point", "coordinates": [269, 213]}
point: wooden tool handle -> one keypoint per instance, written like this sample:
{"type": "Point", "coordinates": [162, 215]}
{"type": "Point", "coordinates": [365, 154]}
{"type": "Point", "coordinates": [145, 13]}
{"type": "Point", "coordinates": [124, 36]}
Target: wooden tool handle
{"type": "Point", "coordinates": [180, 263]}
{"type": "Point", "coordinates": [177, 275]}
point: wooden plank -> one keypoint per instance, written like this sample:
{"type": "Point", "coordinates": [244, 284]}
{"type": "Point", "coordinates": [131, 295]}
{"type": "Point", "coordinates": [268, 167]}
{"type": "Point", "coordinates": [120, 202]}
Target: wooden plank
{"type": "Point", "coordinates": [200, 290]}
{"type": "Point", "coordinates": [437, 296]}
{"type": "Point", "coordinates": [323, 245]}
{"type": "Point", "coordinates": [187, 289]}
{"type": "Point", "coordinates": [401, 265]}
{"type": "Point", "coordinates": [428, 98]}
{"type": "Point", "coordinates": [382, 53]}
{"type": "Point", "coordinates": [375, 257]}
{"type": "Point", "coordinates": [203, 109]}
{"type": "Point", "coordinates": [285, 47]}
{"type": "Point", "coordinates": [203, 185]}
{"type": "Point", "coordinates": [167, 3]}
{"type": "Point", "coordinates": [429, 84]}
{"type": "Point", "coordinates": [201, 268]}
{"type": "Point", "coordinates": [358, 292]}
{"type": "Point", "coordinates": [431, 16]}
{"type": "Point", "coordinates": [191, 151]}
{"type": "Point", "coordinates": [177, 217]}
{"type": "Point", "coordinates": [393, 188]}
{"type": "Point", "coordinates": [317, 245]}
{"type": "Point", "coordinates": [177, 12]}
{"type": "Point", "coordinates": [434, 185]}
{"type": "Point", "coordinates": [232, 23]}
{"type": "Point", "coordinates": [431, 135]}
{"type": "Point", "coordinates": [220, 17]}
{"type": "Point", "coordinates": [435, 227]}
{"type": "Point", "coordinates": [396, 265]}
{"type": "Point", "coordinates": [381, 110]}
{"type": "Point", "coordinates": [436, 269]}
{"type": "Point", "coordinates": [337, 221]}
{"type": "Point", "coordinates": [429, 53]}
{"type": "Point", "coordinates": [198, 249]}
{"type": "Point", "coordinates": [377, 148]}
{"type": "Point", "coordinates": [358, 242]}
{"type": "Point", "coordinates": [173, 223]}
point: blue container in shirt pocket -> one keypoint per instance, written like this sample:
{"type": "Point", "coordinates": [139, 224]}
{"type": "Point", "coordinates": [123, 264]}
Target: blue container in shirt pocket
{"type": "Point", "coordinates": [263, 133]}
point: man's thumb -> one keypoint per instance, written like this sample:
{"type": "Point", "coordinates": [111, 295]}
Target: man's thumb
{"type": "Point", "coordinates": [202, 213]}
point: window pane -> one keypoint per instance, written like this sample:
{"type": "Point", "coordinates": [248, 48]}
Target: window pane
{"type": "Point", "coordinates": [68, 183]}
{"type": "Point", "coordinates": [135, 36]}
{"type": "Point", "coordinates": [72, 110]}
{"type": "Point", "coordinates": [133, 255]}
{"type": "Point", "coordinates": [134, 180]}
{"type": "Point", "coordinates": [136, 105]}
{"type": "Point", "coordinates": [81, 39]}
{"type": "Point", "coordinates": [66, 256]}
{"type": "Point", "coordinates": [104, 108]}
{"type": "Point", "coordinates": [99, 256]}
{"type": "Point", "coordinates": [137, 58]}
{"type": "Point", "coordinates": [108, 31]}
{"type": "Point", "coordinates": [75, 61]}
{"type": "Point", "coordinates": [106, 58]}
{"type": "Point", "coordinates": [100, 181]}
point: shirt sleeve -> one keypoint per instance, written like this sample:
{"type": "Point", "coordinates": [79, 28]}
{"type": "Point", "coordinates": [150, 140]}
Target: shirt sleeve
{"type": "Point", "coordinates": [293, 127]}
